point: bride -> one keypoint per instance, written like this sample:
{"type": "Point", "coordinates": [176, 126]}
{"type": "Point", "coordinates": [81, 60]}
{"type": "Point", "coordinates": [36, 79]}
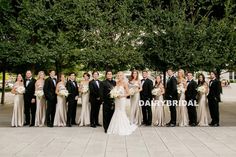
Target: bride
{"type": "Point", "coordinates": [120, 123]}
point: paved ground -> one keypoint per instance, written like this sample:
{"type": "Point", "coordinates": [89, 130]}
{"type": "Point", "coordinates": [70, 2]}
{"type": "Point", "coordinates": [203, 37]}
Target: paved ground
{"type": "Point", "coordinates": [145, 141]}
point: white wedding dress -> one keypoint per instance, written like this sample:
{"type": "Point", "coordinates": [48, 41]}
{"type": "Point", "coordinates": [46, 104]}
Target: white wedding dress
{"type": "Point", "coordinates": [120, 123]}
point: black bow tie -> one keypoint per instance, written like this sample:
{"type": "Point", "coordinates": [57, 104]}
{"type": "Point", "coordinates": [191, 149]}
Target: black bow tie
{"type": "Point", "coordinates": [188, 81]}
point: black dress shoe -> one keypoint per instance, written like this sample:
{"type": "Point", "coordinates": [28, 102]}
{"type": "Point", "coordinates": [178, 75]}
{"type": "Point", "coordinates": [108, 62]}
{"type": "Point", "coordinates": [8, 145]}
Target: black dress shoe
{"type": "Point", "coordinates": [105, 131]}
{"type": "Point", "coordinates": [170, 125]}
{"type": "Point", "coordinates": [98, 124]}
{"type": "Point", "coordinates": [50, 125]}
{"type": "Point", "coordinates": [93, 125]}
{"type": "Point", "coordinates": [31, 125]}
{"type": "Point", "coordinates": [26, 124]}
{"type": "Point", "coordinates": [193, 124]}
{"type": "Point", "coordinates": [216, 125]}
{"type": "Point", "coordinates": [68, 125]}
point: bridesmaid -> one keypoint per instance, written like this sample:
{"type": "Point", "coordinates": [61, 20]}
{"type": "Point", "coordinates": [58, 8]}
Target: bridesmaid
{"type": "Point", "coordinates": [182, 112]}
{"type": "Point", "coordinates": [60, 115]}
{"type": "Point", "coordinates": [158, 109]}
{"type": "Point", "coordinates": [40, 100]}
{"type": "Point", "coordinates": [135, 108]}
{"type": "Point", "coordinates": [203, 109]}
{"type": "Point", "coordinates": [84, 119]}
{"type": "Point", "coordinates": [18, 108]}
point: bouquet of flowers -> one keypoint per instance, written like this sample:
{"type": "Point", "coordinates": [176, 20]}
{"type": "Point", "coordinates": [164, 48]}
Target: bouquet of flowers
{"type": "Point", "coordinates": [156, 91]}
{"type": "Point", "coordinates": [180, 88]}
{"type": "Point", "coordinates": [132, 91]}
{"type": "Point", "coordinates": [201, 89]}
{"type": "Point", "coordinates": [114, 93]}
{"type": "Point", "coordinates": [64, 92]}
{"type": "Point", "coordinates": [39, 93]}
{"type": "Point", "coordinates": [20, 90]}
{"type": "Point", "coordinates": [84, 89]}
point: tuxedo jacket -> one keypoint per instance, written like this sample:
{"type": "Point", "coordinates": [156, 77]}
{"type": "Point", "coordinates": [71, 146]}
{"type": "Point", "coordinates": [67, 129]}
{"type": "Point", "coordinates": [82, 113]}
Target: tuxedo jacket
{"type": "Point", "coordinates": [146, 93]}
{"type": "Point", "coordinates": [171, 89]}
{"type": "Point", "coordinates": [191, 92]}
{"type": "Point", "coordinates": [49, 89]}
{"type": "Point", "coordinates": [72, 89]}
{"type": "Point", "coordinates": [30, 89]}
{"type": "Point", "coordinates": [214, 90]}
{"type": "Point", "coordinates": [107, 87]}
{"type": "Point", "coordinates": [95, 91]}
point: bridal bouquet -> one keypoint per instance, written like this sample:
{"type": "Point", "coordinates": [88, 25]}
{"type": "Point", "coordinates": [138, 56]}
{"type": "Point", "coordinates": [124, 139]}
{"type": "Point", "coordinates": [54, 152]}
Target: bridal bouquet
{"type": "Point", "coordinates": [64, 92]}
{"type": "Point", "coordinates": [20, 90]}
{"type": "Point", "coordinates": [114, 93]}
{"type": "Point", "coordinates": [180, 88]}
{"type": "Point", "coordinates": [201, 89]}
{"type": "Point", "coordinates": [156, 91]}
{"type": "Point", "coordinates": [84, 89]}
{"type": "Point", "coordinates": [39, 93]}
{"type": "Point", "coordinates": [132, 91]}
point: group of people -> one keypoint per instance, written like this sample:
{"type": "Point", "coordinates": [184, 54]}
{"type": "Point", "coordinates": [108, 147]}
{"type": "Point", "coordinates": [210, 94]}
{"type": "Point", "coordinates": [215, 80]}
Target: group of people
{"type": "Point", "coordinates": [54, 100]}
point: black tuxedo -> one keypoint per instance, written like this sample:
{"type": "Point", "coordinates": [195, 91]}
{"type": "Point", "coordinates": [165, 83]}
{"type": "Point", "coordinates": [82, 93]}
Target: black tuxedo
{"type": "Point", "coordinates": [108, 105]}
{"type": "Point", "coordinates": [29, 108]}
{"type": "Point", "coordinates": [214, 99]}
{"type": "Point", "coordinates": [146, 97]}
{"type": "Point", "coordinates": [72, 88]}
{"type": "Point", "coordinates": [171, 95]}
{"type": "Point", "coordinates": [190, 96]}
{"type": "Point", "coordinates": [96, 100]}
{"type": "Point", "coordinates": [49, 90]}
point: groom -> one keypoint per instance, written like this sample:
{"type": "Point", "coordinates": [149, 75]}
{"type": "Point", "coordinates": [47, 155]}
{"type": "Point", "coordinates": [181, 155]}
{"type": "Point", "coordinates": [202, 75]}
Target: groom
{"type": "Point", "coordinates": [146, 97]}
{"type": "Point", "coordinates": [95, 98]}
{"type": "Point", "coordinates": [108, 104]}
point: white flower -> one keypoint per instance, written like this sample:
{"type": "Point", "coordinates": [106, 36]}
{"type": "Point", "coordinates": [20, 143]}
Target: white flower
{"type": "Point", "coordinates": [180, 88]}
{"type": "Point", "coordinates": [64, 92]}
{"type": "Point", "coordinates": [84, 89]}
{"type": "Point", "coordinates": [132, 91]}
{"type": "Point", "coordinates": [156, 91]}
{"type": "Point", "coordinates": [201, 89]}
{"type": "Point", "coordinates": [39, 93]}
{"type": "Point", "coordinates": [115, 92]}
{"type": "Point", "coordinates": [20, 90]}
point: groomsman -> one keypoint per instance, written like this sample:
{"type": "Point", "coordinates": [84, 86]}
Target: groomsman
{"type": "Point", "coordinates": [72, 88]}
{"type": "Point", "coordinates": [171, 95]}
{"type": "Point", "coordinates": [49, 90]}
{"type": "Point", "coordinates": [214, 99]}
{"type": "Point", "coordinates": [146, 97]}
{"type": "Point", "coordinates": [191, 98]}
{"type": "Point", "coordinates": [95, 98]}
{"type": "Point", "coordinates": [109, 104]}
{"type": "Point", "coordinates": [29, 99]}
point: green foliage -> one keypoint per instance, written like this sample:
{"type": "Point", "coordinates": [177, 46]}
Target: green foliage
{"type": "Point", "coordinates": [71, 35]}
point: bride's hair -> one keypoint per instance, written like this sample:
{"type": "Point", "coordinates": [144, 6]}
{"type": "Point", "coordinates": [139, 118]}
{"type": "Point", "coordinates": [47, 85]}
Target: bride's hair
{"type": "Point", "coordinates": [180, 75]}
{"type": "Point", "coordinates": [120, 73]}
{"type": "Point", "coordinates": [40, 73]}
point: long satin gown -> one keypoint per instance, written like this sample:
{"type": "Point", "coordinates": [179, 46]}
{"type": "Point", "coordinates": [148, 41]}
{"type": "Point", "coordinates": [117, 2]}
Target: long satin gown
{"type": "Point", "coordinates": [41, 109]}
{"type": "Point", "coordinates": [60, 115]}
{"type": "Point", "coordinates": [120, 124]}
{"type": "Point", "coordinates": [18, 109]}
{"type": "Point", "coordinates": [135, 108]}
{"type": "Point", "coordinates": [158, 111]}
{"type": "Point", "coordinates": [182, 111]}
{"type": "Point", "coordinates": [84, 119]}
{"type": "Point", "coordinates": [203, 110]}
